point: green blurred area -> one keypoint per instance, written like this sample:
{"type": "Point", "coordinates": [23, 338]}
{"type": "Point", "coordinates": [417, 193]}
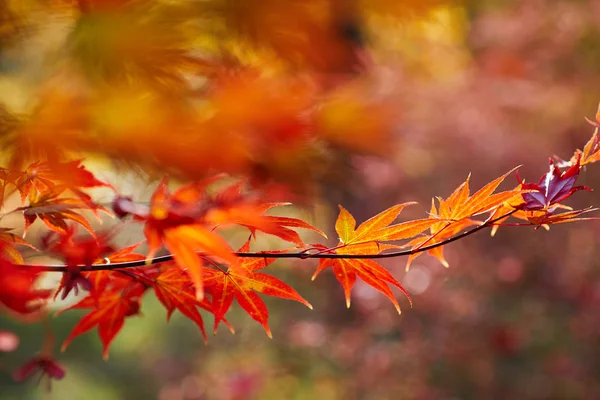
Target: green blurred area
{"type": "Point", "coordinates": [514, 317]}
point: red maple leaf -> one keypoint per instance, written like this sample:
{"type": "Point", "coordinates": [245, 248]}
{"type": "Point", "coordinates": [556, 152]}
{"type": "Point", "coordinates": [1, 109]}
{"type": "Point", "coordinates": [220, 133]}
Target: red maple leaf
{"type": "Point", "coordinates": [111, 304]}
{"type": "Point", "coordinates": [78, 253]}
{"type": "Point", "coordinates": [44, 364]}
{"type": "Point", "coordinates": [241, 281]}
{"type": "Point", "coordinates": [19, 291]}
{"type": "Point", "coordinates": [123, 255]}
{"type": "Point", "coordinates": [175, 290]}
{"type": "Point", "coordinates": [175, 220]}
{"type": "Point", "coordinates": [233, 206]}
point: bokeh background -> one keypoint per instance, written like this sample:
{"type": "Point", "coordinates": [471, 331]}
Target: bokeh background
{"type": "Point", "coordinates": [481, 86]}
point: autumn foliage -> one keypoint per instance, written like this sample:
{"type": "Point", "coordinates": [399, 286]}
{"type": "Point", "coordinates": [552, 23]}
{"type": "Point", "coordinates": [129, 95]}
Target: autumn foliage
{"type": "Point", "coordinates": [228, 135]}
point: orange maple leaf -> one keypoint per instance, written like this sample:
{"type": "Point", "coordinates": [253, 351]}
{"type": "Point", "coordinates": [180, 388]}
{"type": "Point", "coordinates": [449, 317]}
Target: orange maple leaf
{"type": "Point", "coordinates": [459, 205]}
{"type": "Point", "coordinates": [8, 241]}
{"type": "Point", "coordinates": [241, 281]}
{"type": "Point", "coordinates": [438, 235]}
{"type": "Point", "coordinates": [42, 177]}
{"type": "Point", "coordinates": [454, 214]}
{"type": "Point", "coordinates": [591, 150]}
{"type": "Point", "coordinates": [544, 218]}
{"type": "Point", "coordinates": [366, 240]}
{"type": "Point", "coordinates": [54, 212]}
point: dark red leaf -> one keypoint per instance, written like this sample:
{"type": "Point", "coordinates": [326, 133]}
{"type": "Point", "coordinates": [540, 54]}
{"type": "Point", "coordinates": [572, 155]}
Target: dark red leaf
{"type": "Point", "coordinates": [554, 187]}
{"type": "Point", "coordinates": [44, 364]}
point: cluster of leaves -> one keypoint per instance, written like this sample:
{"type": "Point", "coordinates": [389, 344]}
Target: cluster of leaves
{"type": "Point", "coordinates": [275, 101]}
{"type": "Point", "coordinates": [270, 101]}
{"type": "Point", "coordinates": [202, 272]}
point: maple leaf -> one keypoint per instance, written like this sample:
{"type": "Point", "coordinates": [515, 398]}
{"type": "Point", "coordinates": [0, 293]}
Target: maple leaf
{"type": "Point", "coordinates": [539, 202]}
{"type": "Point", "coordinates": [185, 205]}
{"type": "Point", "coordinates": [55, 211]}
{"type": "Point", "coordinates": [511, 208]}
{"type": "Point", "coordinates": [232, 206]}
{"type": "Point", "coordinates": [123, 255]}
{"type": "Point", "coordinates": [96, 281]}
{"type": "Point", "coordinates": [438, 235]}
{"type": "Point", "coordinates": [454, 213]}
{"type": "Point", "coordinates": [545, 218]}
{"type": "Point", "coordinates": [78, 250]}
{"type": "Point", "coordinates": [250, 216]}
{"type": "Point", "coordinates": [553, 187]}
{"type": "Point", "coordinates": [74, 175]}
{"type": "Point", "coordinates": [36, 179]}
{"type": "Point", "coordinates": [176, 220]}
{"type": "Point", "coordinates": [19, 284]}
{"type": "Point", "coordinates": [591, 150]}
{"type": "Point", "coordinates": [110, 306]}
{"type": "Point", "coordinates": [541, 218]}
{"type": "Point", "coordinates": [175, 290]}
{"type": "Point", "coordinates": [185, 241]}
{"type": "Point", "coordinates": [19, 288]}
{"type": "Point", "coordinates": [6, 176]}
{"type": "Point", "coordinates": [375, 230]}
{"type": "Point", "coordinates": [366, 240]}
{"type": "Point", "coordinates": [240, 282]}
{"type": "Point", "coordinates": [460, 204]}
{"type": "Point", "coordinates": [8, 241]}
{"type": "Point", "coordinates": [42, 363]}
{"type": "Point", "coordinates": [78, 253]}
{"type": "Point", "coordinates": [43, 177]}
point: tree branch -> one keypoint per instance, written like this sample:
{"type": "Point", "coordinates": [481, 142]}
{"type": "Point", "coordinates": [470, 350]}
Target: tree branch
{"type": "Point", "coordinates": [266, 254]}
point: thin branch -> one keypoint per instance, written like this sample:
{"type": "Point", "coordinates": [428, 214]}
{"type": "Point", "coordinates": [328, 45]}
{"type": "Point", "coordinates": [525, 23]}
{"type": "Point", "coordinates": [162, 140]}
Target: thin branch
{"type": "Point", "coordinates": [300, 255]}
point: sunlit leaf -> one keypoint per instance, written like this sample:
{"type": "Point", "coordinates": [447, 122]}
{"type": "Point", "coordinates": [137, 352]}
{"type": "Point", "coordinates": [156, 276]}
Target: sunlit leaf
{"type": "Point", "coordinates": [240, 282]}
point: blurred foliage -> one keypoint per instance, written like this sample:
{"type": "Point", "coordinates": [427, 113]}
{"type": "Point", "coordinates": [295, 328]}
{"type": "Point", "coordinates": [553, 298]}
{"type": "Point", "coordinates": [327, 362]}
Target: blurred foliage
{"type": "Point", "coordinates": [478, 86]}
